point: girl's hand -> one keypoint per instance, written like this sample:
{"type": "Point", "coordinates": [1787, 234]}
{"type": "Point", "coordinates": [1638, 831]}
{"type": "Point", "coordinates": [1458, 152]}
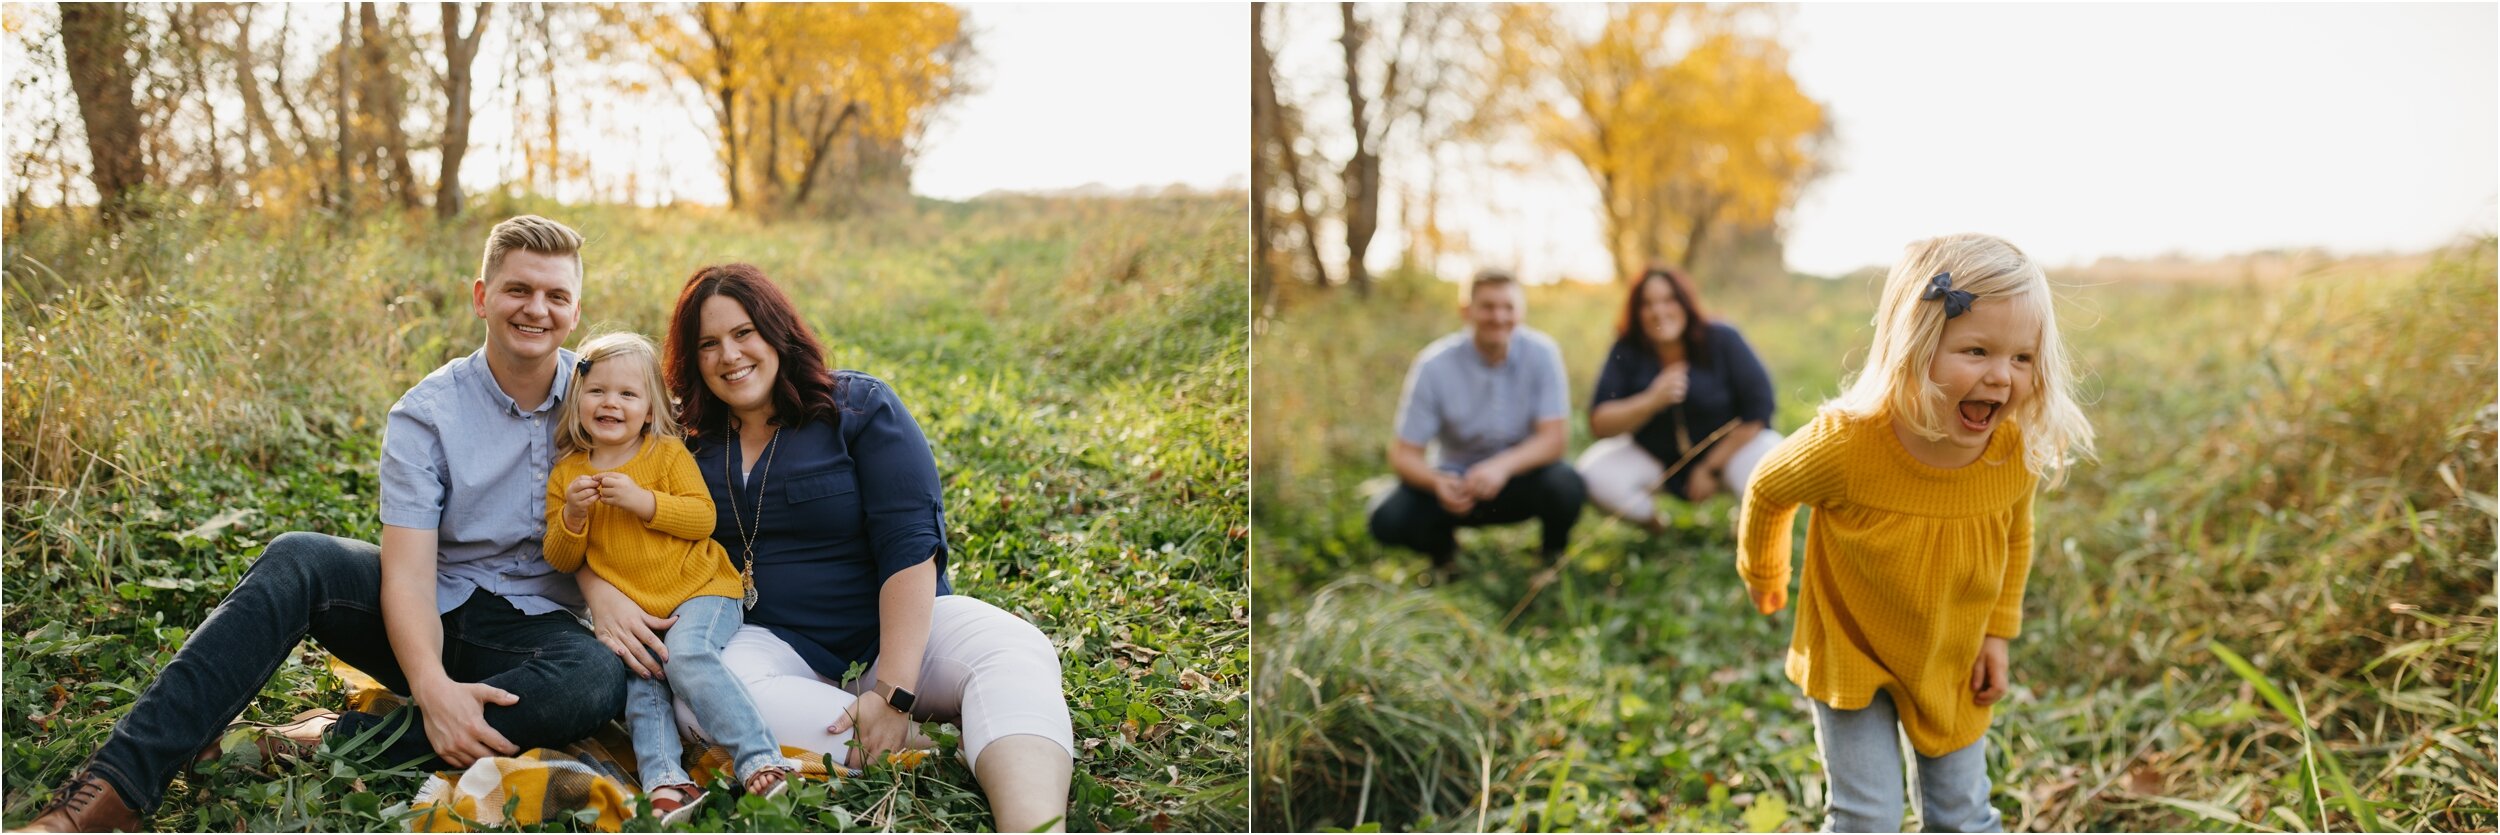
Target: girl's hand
{"type": "Point", "coordinates": [620, 491]}
{"type": "Point", "coordinates": [1769, 601]}
{"type": "Point", "coordinates": [578, 495]}
{"type": "Point", "coordinates": [881, 729]}
{"type": "Point", "coordinates": [1988, 681]}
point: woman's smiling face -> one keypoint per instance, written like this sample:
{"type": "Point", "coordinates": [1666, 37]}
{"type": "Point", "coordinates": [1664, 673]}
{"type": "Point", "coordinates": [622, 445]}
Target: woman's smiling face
{"type": "Point", "coordinates": [737, 364]}
{"type": "Point", "coordinates": [1661, 316]}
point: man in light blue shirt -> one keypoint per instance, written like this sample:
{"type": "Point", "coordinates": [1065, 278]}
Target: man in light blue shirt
{"type": "Point", "coordinates": [1490, 402]}
{"type": "Point", "coordinates": [455, 608]}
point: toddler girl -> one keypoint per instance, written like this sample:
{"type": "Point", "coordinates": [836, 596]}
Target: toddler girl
{"type": "Point", "coordinates": [1921, 475]}
{"type": "Point", "coordinates": [625, 499]}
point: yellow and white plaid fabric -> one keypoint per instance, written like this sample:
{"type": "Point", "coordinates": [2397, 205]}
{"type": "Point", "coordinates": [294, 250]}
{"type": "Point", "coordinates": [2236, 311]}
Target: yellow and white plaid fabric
{"type": "Point", "coordinates": [540, 785]}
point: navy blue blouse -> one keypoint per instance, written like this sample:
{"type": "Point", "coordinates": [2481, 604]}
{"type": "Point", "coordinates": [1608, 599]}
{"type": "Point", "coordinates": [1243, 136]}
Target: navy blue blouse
{"type": "Point", "coordinates": [1727, 382]}
{"type": "Point", "coordinates": [845, 507]}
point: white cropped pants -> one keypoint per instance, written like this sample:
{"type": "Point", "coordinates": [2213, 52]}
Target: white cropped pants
{"type": "Point", "coordinates": [989, 672]}
{"type": "Point", "coordinates": [1623, 479]}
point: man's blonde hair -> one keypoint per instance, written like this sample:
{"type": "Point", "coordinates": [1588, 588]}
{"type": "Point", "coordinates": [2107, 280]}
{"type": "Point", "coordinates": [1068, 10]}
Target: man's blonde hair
{"type": "Point", "coordinates": [1488, 277]}
{"type": "Point", "coordinates": [572, 435]}
{"type": "Point", "coordinates": [1893, 383]}
{"type": "Point", "coordinates": [533, 234]}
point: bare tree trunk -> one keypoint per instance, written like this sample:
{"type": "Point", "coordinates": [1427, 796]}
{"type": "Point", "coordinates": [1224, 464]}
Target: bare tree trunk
{"type": "Point", "coordinates": [1289, 160]}
{"type": "Point", "coordinates": [725, 91]}
{"type": "Point", "coordinates": [555, 104]}
{"type": "Point", "coordinates": [380, 98]}
{"type": "Point", "coordinates": [275, 149]}
{"type": "Point", "coordinates": [1362, 170]}
{"type": "Point", "coordinates": [459, 52]}
{"type": "Point", "coordinates": [93, 37]}
{"type": "Point", "coordinates": [1262, 170]}
{"type": "Point", "coordinates": [191, 53]}
{"type": "Point", "coordinates": [1705, 219]}
{"type": "Point", "coordinates": [820, 147]}
{"type": "Point", "coordinates": [347, 146]}
{"type": "Point", "coordinates": [310, 152]}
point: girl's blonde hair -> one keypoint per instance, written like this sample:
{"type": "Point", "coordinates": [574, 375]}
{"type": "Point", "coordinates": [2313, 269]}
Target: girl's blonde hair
{"type": "Point", "coordinates": [1893, 384]}
{"type": "Point", "coordinates": [571, 435]}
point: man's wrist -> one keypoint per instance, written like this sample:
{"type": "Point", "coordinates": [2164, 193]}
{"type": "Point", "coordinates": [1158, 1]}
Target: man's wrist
{"type": "Point", "coordinates": [425, 686]}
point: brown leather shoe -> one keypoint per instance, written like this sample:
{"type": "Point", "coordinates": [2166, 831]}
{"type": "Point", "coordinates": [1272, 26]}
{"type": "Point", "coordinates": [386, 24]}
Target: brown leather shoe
{"type": "Point", "coordinates": [86, 804]}
{"type": "Point", "coordinates": [256, 747]}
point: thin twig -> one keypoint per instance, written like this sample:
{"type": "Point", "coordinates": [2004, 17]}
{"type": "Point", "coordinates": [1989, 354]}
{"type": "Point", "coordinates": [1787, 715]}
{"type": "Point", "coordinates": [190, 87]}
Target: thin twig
{"type": "Point", "coordinates": [1545, 578]}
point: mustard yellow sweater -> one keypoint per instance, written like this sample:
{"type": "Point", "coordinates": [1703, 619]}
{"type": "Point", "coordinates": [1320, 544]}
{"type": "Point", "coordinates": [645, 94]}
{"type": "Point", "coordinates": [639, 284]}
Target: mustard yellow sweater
{"type": "Point", "coordinates": [1907, 568]}
{"type": "Point", "coordinates": [660, 563]}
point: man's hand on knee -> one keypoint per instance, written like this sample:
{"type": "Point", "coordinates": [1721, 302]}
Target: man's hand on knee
{"type": "Point", "coordinates": [1485, 480]}
{"type": "Point", "coordinates": [1452, 492]}
{"type": "Point", "coordinates": [455, 720]}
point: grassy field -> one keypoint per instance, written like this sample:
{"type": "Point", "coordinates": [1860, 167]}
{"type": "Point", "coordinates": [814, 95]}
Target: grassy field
{"type": "Point", "coordinates": [2269, 606]}
{"type": "Point", "coordinates": [181, 392]}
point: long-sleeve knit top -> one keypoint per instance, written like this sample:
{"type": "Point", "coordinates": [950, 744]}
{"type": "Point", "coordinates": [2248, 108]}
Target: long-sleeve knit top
{"type": "Point", "coordinates": [1907, 568]}
{"type": "Point", "coordinates": [661, 563]}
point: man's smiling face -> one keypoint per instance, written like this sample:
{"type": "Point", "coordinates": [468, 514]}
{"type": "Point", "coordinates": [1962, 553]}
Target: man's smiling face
{"type": "Point", "coordinates": [530, 305]}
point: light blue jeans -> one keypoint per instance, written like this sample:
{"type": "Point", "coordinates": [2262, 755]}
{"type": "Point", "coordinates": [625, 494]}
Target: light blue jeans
{"type": "Point", "coordinates": [695, 672]}
{"type": "Point", "coordinates": [1862, 764]}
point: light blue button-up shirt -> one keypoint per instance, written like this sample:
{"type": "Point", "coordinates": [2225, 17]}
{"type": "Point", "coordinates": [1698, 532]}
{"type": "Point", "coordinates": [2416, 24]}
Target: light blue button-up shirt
{"type": "Point", "coordinates": [461, 458]}
{"type": "Point", "coordinates": [1466, 410]}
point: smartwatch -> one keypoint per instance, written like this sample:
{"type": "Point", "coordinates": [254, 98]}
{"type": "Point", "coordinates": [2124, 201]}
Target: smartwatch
{"type": "Point", "coordinates": [897, 698]}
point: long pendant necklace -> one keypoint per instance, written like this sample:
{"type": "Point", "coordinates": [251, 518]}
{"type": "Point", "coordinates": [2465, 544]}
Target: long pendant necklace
{"type": "Point", "coordinates": [737, 522]}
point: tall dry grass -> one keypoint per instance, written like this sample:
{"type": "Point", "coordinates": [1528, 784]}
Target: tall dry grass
{"type": "Point", "coordinates": [181, 391]}
{"type": "Point", "coordinates": [2268, 606]}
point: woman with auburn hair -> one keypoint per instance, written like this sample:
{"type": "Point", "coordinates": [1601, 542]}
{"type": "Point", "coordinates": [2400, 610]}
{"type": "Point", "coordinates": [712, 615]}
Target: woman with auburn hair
{"type": "Point", "coordinates": [830, 506]}
{"type": "Point", "coordinates": [1683, 406]}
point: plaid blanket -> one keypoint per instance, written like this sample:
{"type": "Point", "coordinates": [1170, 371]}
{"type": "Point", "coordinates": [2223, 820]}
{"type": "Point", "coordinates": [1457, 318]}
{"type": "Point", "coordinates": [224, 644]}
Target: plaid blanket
{"type": "Point", "coordinates": [590, 781]}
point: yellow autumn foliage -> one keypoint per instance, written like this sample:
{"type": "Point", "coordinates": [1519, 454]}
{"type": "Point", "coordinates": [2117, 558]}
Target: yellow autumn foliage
{"type": "Point", "coordinates": [1684, 116]}
{"type": "Point", "coordinates": [788, 83]}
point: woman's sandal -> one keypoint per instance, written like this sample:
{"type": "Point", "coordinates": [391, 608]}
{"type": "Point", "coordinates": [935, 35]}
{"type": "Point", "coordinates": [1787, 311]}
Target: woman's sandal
{"type": "Point", "coordinates": [675, 803]}
{"type": "Point", "coordinates": [769, 781]}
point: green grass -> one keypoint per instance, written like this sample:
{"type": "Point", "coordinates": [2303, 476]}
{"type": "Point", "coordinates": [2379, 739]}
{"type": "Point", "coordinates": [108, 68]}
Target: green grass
{"type": "Point", "coordinates": [2269, 605]}
{"type": "Point", "coordinates": [1079, 366]}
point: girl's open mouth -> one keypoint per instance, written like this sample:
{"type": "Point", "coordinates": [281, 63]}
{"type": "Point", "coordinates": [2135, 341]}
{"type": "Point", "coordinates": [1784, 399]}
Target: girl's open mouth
{"type": "Point", "coordinates": [1976, 414]}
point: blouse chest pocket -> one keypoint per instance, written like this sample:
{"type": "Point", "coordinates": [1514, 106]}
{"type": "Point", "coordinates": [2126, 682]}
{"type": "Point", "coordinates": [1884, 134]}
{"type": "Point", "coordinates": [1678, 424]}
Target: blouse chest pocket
{"type": "Point", "coordinates": [812, 488]}
{"type": "Point", "coordinates": [825, 507]}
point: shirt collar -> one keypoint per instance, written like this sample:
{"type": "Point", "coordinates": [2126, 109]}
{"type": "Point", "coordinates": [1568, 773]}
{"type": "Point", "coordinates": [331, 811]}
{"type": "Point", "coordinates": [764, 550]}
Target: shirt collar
{"type": "Point", "coordinates": [483, 376]}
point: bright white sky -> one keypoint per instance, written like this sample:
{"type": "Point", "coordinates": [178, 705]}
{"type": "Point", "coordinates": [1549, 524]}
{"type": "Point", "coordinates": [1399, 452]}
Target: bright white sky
{"type": "Point", "coordinates": [2081, 131]}
{"type": "Point", "coordinates": [2075, 131]}
{"type": "Point", "coordinates": [1123, 96]}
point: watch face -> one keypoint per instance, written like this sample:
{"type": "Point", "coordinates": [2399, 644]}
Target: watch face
{"type": "Point", "coordinates": [901, 700]}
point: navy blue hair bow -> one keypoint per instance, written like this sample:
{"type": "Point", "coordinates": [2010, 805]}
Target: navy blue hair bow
{"type": "Point", "coordinates": [581, 367]}
{"type": "Point", "coordinates": [1956, 302]}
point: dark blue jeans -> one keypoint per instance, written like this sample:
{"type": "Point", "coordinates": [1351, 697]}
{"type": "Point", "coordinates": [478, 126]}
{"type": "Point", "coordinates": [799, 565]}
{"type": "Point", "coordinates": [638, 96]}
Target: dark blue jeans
{"type": "Point", "coordinates": [1408, 517]}
{"type": "Point", "coordinates": [331, 589]}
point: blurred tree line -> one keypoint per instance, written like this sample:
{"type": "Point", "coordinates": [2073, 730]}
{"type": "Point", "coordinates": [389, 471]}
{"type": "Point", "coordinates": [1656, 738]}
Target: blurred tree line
{"type": "Point", "coordinates": [357, 108]}
{"type": "Point", "coordinates": [1684, 116]}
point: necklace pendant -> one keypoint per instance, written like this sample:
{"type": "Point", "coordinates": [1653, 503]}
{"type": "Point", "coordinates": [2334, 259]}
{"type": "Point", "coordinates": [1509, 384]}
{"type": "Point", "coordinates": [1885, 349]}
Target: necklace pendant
{"type": "Point", "coordinates": [746, 578]}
